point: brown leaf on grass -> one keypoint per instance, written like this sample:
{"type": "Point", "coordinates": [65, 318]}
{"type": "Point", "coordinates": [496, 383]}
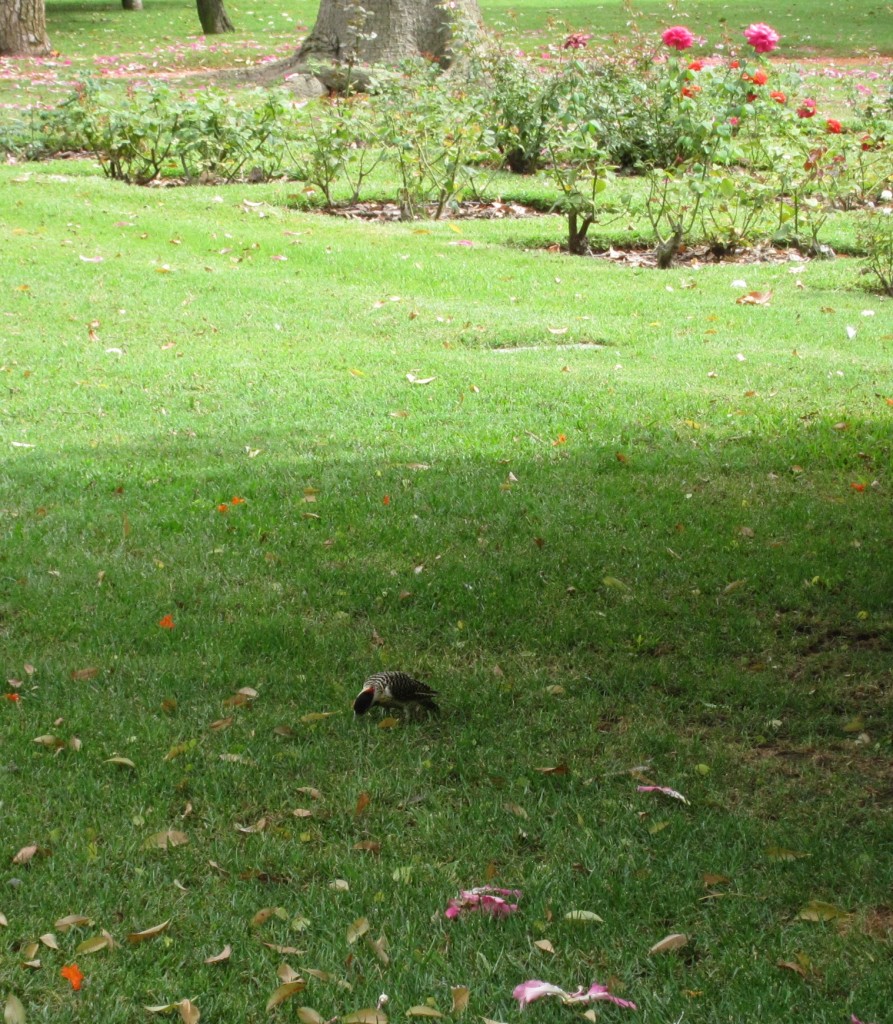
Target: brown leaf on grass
{"type": "Point", "coordinates": [368, 846]}
{"type": "Point", "coordinates": [13, 1011]}
{"type": "Point", "coordinates": [189, 1012]}
{"type": "Point", "coordinates": [516, 809]}
{"type": "Point", "coordinates": [559, 769]}
{"type": "Point", "coordinates": [25, 854]}
{"type": "Point", "coordinates": [389, 723]}
{"type": "Point", "coordinates": [72, 921]}
{"type": "Point", "coordinates": [669, 944]}
{"type": "Point", "coordinates": [95, 944]}
{"type": "Point", "coordinates": [49, 940]}
{"type": "Point", "coordinates": [122, 762]}
{"type": "Point", "coordinates": [249, 830]}
{"type": "Point", "coordinates": [423, 1011]}
{"type": "Point", "coordinates": [221, 724]}
{"type": "Point", "coordinates": [363, 801]}
{"type": "Point", "coordinates": [162, 840]}
{"type": "Point", "coordinates": [544, 945]}
{"type": "Point", "coordinates": [314, 794]}
{"type": "Point", "coordinates": [287, 974]}
{"type": "Point", "coordinates": [241, 697]}
{"type": "Point", "coordinates": [3, 922]}
{"type": "Point", "coordinates": [284, 950]}
{"type": "Point", "coordinates": [357, 930]}
{"type": "Point", "coordinates": [178, 749]}
{"type": "Point", "coordinates": [369, 1015]}
{"type": "Point", "coordinates": [789, 965]}
{"type": "Point", "coordinates": [285, 992]}
{"type": "Point", "coordinates": [818, 910]}
{"type": "Point", "coordinates": [380, 948]}
{"type": "Point", "coordinates": [317, 716]}
{"type": "Point", "coordinates": [583, 916]}
{"type": "Point", "coordinates": [781, 853]}
{"type": "Point", "coordinates": [459, 995]}
{"type": "Point", "coordinates": [754, 299]}
{"type": "Point", "coordinates": [265, 913]}
{"type": "Point", "coordinates": [50, 742]}
{"type": "Point", "coordinates": [148, 933]}
{"type": "Point", "coordinates": [302, 812]}
{"type": "Point", "coordinates": [710, 879]}
{"type": "Point", "coordinates": [81, 674]}
{"type": "Point", "coordinates": [307, 1015]}
{"type": "Point", "coordinates": [29, 950]}
{"type": "Point", "coordinates": [220, 957]}
{"type": "Point", "coordinates": [284, 730]}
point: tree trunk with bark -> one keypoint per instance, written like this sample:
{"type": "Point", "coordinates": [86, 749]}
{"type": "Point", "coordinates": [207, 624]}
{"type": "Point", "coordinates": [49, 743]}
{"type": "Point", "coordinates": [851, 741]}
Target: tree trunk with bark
{"type": "Point", "coordinates": [23, 29]}
{"type": "Point", "coordinates": [212, 14]}
{"type": "Point", "coordinates": [348, 33]}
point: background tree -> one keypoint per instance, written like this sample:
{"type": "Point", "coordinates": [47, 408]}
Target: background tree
{"type": "Point", "coordinates": [376, 32]}
{"type": "Point", "coordinates": [212, 14]}
{"type": "Point", "coordinates": [23, 29]}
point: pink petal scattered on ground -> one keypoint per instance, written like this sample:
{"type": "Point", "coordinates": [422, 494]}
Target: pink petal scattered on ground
{"type": "Point", "coordinates": [662, 789]}
{"type": "Point", "coordinates": [528, 991]}
{"type": "Point", "coordinates": [486, 899]}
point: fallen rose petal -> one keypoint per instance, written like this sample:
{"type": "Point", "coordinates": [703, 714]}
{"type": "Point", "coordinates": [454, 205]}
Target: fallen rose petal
{"type": "Point", "coordinates": [484, 899]}
{"type": "Point", "coordinates": [528, 991]}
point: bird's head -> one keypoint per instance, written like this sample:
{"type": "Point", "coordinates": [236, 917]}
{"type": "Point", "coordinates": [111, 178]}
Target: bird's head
{"type": "Point", "coordinates": [364, 701]}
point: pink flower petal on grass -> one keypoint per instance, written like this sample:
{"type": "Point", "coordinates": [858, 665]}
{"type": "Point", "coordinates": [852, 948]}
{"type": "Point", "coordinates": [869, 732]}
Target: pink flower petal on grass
{"type": "Point", "coordinates": [527, 991]}
{"type": "Point", "coordinates": [598, 993]}
{"type": "Point", "coordinates": [662, 789]}
{"type": "Point", "coordinates": [483, 899]}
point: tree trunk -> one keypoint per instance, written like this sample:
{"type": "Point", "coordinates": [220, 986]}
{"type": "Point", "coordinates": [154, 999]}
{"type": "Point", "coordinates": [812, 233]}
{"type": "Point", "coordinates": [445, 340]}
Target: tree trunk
{"type": "Point", "coordinates": [23, 29]}
{"type": "Point", "coordinates": [212, 14]}
{"type": "Point", "coordinates": [132, 5]}
{"type": "Point", "coordinates": [352, 32]}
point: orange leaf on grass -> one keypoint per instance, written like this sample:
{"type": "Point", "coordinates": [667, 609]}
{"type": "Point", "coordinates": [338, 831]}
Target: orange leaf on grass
{"type": "Point", "coordinates": [74, 975]}
{"type": "Point", "coordinates": [166, 622]}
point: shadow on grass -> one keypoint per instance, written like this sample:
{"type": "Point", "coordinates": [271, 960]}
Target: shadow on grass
{"type": "Point", "coordinates": [719, 580]}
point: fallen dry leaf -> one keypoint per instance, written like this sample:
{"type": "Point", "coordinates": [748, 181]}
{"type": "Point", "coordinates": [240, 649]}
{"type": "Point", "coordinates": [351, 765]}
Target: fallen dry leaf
{"type": "Point", "coordinates": [72, 921]}
{"type": "Point", "coordinates": [459, 995]}
{"type": "Point", "coordinates": [25, 854]}
{"type": "Point", "coordinates": [357, 929]}
{"type": "Point", "coordinates": [162, 840]}
{"type": "Point", "coordinates": [148, 933]}
{"type": "Point", "coordinates": [367, 1016]}
{"type": "Point", "coordinates": [669, 944]}
{"type": "Point", "coordinates": [219, 958]}
{"type": "Point", "coordinates": [285, 992]}
{"type": "Point", "coordinates": [754, 299]}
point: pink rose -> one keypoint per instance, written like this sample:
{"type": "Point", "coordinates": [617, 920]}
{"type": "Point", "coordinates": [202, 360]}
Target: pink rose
{"type": "Point", "coordinates": [679, 37]}
{"type": "Point", "coordinates": [761, 37]}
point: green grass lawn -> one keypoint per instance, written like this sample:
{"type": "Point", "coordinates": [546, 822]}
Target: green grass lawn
{"type": "Point", "coordinates": [629, 529]}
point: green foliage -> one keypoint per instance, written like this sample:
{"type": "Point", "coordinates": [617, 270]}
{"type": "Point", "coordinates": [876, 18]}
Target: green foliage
{"type": "Point", "coordinates": [437, 135]}
{"type": "Point", "coordinates": [157, 133]}
{"type": "Point", "coordinates": [876, 239]}
{"type": "Point", "coordinates": [524, 99]}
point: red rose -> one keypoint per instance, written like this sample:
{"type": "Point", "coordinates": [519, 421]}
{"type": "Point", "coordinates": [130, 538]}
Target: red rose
{"type": "Point", "coordinates": [834, 127]}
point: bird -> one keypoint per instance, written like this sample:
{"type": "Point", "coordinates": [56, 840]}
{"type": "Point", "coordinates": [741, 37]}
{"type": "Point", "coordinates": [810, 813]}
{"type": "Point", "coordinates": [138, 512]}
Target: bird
{"type": "Point", "coordinates": [394, 690]}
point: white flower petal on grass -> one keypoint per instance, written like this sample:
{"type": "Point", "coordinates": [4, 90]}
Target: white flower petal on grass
{"type": "Point", "coordinates": [662, 789]}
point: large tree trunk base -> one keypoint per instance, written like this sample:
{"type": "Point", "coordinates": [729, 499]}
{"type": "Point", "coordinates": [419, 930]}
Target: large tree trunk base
{"type": "Point", "coordinates": [346, 39]}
